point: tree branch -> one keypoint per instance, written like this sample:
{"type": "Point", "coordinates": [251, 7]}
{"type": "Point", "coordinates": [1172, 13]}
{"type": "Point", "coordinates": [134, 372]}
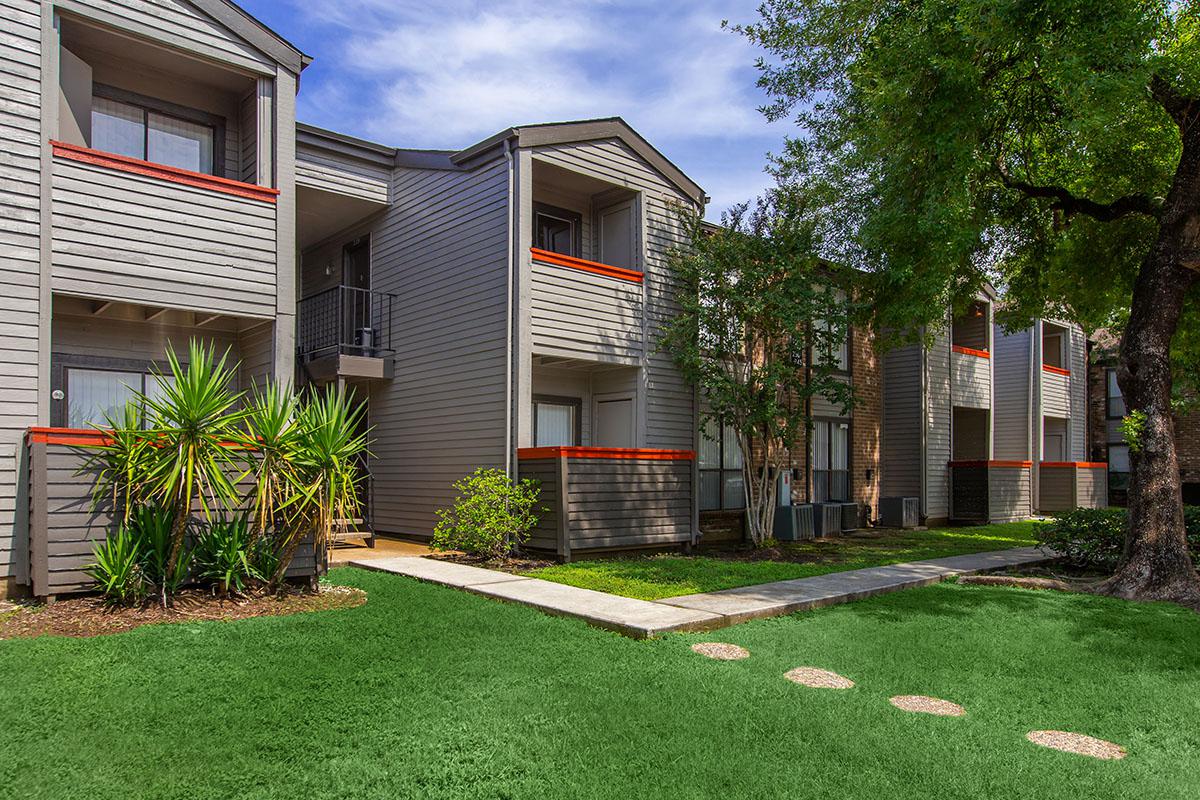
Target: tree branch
{"type": "Point", "coordinates": [1184, 110]}
{"type": "Point", "coordinates": [1071, 204]}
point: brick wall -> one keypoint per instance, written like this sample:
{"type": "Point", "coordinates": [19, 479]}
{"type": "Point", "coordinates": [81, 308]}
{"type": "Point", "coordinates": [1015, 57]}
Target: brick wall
{"type": "Point", "coordinates": [867, 425]}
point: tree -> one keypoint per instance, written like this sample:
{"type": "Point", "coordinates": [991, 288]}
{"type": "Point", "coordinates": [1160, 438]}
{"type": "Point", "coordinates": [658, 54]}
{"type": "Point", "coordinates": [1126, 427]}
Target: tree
{"type": "Point", "coordinates": [754, 303]}
{"type": "Point", "coordinates": [1053, 147]}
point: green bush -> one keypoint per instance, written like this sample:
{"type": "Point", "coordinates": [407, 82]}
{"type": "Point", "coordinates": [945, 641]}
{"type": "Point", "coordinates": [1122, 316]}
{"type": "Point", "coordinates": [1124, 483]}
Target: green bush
{"type": "Point", "coordinates": [1094, 538]}
{"type": "Point", "coordinates": [491, 515]}
{"type": "Point", "coordinates": [222, 555]}
{"type": "Point", "coordinates": [118, 569]}
{"type": "Point", "coordinates": [151, 526]}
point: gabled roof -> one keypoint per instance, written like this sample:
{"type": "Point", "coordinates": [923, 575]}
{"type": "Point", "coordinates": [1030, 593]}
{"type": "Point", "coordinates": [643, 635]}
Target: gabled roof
{"type": "Point", "coordinates": [257, 34]}
{"type": "Point", "coordinates": [549, 133]}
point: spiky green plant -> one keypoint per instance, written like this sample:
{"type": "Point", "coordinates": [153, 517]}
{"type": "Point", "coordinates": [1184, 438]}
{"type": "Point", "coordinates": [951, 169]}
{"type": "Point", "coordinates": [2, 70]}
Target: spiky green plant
{"type": "Point", "coordinates": [153, 525]}
{"type": "Point", "coordinates": [117, 570]}
{"type": "Point", "coordinates": [194, 417]}
{"type": "Point", "coordinates": [223, 554]}
{"type": "Point", "coordinates": [119, 463]}
{"type": "Point", "coordinates": [272, 438]}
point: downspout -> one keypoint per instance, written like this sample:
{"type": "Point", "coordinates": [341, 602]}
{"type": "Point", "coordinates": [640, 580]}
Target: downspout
{"type": "Point", "coordinates": [1035, 374]}
{"type": "Point", "coordinates": [508, 315]}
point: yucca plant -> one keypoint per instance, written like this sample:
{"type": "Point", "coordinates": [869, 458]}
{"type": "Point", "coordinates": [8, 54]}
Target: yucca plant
{"type": "Point", "coordinates": [271, 439]}
{"type": "Point", "coordinates": [118, 571]}
{"type": "Point", "coordinates": [153, 526]}
{"type": "Point", "coordinates": [120, 463]}
{"type": "Point", "coordinates": [222, 554]}
{"type": "Point", "coordinates": [194, 416]}
{"type": "Point", "coordinates": [325, 484]}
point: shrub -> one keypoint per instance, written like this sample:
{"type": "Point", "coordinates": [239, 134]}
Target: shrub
{"type": "Point", "coordinates": [222, 554]}
{"type": "Point", "coordinates": [118, 569]}
{"type": "Point", "coordinates": [1095, 537]}
{"type": "Point", "coordinates": [151, 526]}
{"type": "Point", "coordinates": [491, 515]}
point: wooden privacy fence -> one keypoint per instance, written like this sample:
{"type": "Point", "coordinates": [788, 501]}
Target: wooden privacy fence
{"type": "Point", "coordinates": [606, 498]}
{"type": "Point", "coordinates": [63, 527]}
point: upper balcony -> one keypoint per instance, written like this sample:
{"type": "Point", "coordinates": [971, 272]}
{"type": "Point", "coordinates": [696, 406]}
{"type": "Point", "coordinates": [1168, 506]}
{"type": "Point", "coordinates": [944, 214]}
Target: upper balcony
{"type": "Point", "coordinates": [345, 332]}
{"type": "Point", "coordinates": [163, 178]}
{"type": "Point", "coordinates": [970, 357]}
{"type": "Point", "coordinates": [585, 267]}
{"type": "Point", "coordinates": [1056, 371]}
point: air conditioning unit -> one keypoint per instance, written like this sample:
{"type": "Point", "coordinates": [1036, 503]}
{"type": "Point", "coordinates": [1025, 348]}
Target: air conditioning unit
{"type": "Point", "coordinates": [827, 519]}
{"type": "Point", "coordinates": [899, 512]}
{"type": "Point", "coordinates": [849, 517]}
{"type": "Point", "coordinates": [793, 523]}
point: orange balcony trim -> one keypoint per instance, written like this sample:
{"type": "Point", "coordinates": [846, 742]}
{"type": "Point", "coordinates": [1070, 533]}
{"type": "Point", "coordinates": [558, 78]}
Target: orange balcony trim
{"type": "Point", "coordinates": [80, 437]}
{"type": "Point", "coordinates": [611, 453]}
{"type": "Point", "coordinates": [1075, 464]}
{"type": "Point", "coordinates": [559, 260]}
{"type": "Point", "coordinates": [185, 177]}
{"type": "Point", "coordinates": [1056, 370]}
{"type": "Point", "coordinates": [971, 351]}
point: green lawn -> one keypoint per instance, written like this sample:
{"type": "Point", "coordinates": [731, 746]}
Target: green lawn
{"type": "Point", "coordinates": [427, 692]}
{"type": "Point", "coordinates": [656, 576]}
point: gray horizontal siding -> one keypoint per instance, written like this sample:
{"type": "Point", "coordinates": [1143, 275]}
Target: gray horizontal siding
{"type": "Point", "coordinates": [971, 378]}
{"type": "Point", "coordinates": [442, 248]}
{"type": "Point", "coordinates": [544, 536]}
{"type": "Point", "coordinates": [1056, 489]}
{"type": "Point", "coordinates": [902, 421]}
{"type": "Point", "coordinates": [129, 237]}
{"type": "Point", "coordinates": [584, 315]}
{"type": "Point", "coordinates": [1009, 494]}
{"type": "Point", "coordinates": [1011, 412]}
{"type": "Point", "coordinates": [319, 169]}
{"type": "Point", "coordinates": [1056, 395]}
{"type": "Point", "coordinates": [20, 153]}
{"type": "Point", "coordinates": [1077, 360]}
{"type": "Point", "coordinates": [1091, 487]}
{"type": "Point", "coordinates": [178, 24]}
{"type": "Point", "coordinates": [937, 427]}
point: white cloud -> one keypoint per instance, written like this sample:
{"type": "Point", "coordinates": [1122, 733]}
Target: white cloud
{"type": "Point", "coordinates": [445, 75]}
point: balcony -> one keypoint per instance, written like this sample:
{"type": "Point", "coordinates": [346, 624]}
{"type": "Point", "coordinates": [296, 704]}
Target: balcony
{"type": "Point", "coordinates": [990, 491]}
{"type": "Point", "coordinates": [971, 377]}
{"type": "Point", "coordinates": [345, 333]}
{"type": "Point", "coordinates": [1064, 485]}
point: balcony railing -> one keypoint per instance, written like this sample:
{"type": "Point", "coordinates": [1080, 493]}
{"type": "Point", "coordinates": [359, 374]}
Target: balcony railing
{"type": "Point", "coordinates": [345, 320]}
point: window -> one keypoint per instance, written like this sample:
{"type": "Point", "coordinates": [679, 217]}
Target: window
{"type": "Point", "coordinates": [1052, 346]}
{"type": "Point", "coordinates": [722, 485]}
{"type": "Point", "coordinates": [557, 421]}
{"type": "Point", "coordinates": [1114, 401]}
{"type": "Point", "coordinates": [830, 347]}
{"type": "Point", "coordinates": [95, 395]}
{"type": "Point", "coordinates": [830, 459]}
{"type": "Point", "coordinates": [557, 230]}
{"type": "Point", "coordinates": [137, 127]}
{"type": "Point", "coordinates": [1118, 467]}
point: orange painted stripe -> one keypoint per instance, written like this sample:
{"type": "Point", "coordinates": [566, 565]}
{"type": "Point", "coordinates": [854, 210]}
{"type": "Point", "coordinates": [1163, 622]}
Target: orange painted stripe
{"type": "Point", "coordinates": [970, 351]}
{"type": "Point", "coordinates": [617, 453]}
{"type": "Point", "coordinates": [558, 259]}
{"type": "Point", "coordinates": [1014, 464]}
{"type": "Point", "coordinates": [173, 174]}
{"type": "Point", "coordinates": [1056, 370]}
{"type": "Point", "coordinates": [79, 436]}
{"type": "Point", "coordinates": [1079, 464]}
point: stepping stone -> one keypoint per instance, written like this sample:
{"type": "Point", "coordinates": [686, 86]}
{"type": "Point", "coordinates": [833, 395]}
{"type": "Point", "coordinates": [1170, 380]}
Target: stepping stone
{"type": "Point", "coordinates": [721, 651]}
{"type": "Point", "coordinates": [921, 704]}
{"type": "Point", "coordinates": [818, 678]}
{"type": "Point", "coordinates": [1077, 743]}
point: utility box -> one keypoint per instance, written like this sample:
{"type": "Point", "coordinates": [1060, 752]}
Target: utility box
{"type": "Point", "coordinates": [899, 512]}
{"type": "Point", "coordinates": [783, 488]}
{"type": "Point", "coordinates": [827, 519]}
{"type": "Point", "coordinates": [794, 523]}
{"type": "Point", "coordinates": [849, 517]}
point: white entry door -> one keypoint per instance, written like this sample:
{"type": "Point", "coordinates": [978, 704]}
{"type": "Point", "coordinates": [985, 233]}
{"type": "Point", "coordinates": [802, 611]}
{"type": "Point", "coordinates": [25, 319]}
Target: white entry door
{"type": "Point", "coordinates": [614, 422]}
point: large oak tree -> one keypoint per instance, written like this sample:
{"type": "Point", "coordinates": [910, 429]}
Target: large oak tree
{"type": "Point", "coordinates": [1052, 146]}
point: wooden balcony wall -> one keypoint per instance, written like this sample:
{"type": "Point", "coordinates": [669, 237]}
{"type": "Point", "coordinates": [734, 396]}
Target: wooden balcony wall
{"type": "Point", "coordinates": [1064, 485]}
{"type": "Point", "coordinates": [64, 528]}
{"type": "Point", "coordinates": [990, 491]}
{"type": "Point", "coordinates": [971, 378]}
{"type": "Point", "coordinates": [610, 498]}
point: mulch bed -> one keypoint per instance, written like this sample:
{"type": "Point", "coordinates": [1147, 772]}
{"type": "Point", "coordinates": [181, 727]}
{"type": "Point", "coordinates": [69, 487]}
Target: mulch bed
{"type": "Point", "coordinates": [88, 616]}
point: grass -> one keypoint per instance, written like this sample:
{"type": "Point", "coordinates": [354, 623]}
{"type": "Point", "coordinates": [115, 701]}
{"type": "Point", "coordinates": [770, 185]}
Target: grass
{"type": "Point", "coordinates": [433, 693]}
{"type": "Point", "coordinates": [652, 577]}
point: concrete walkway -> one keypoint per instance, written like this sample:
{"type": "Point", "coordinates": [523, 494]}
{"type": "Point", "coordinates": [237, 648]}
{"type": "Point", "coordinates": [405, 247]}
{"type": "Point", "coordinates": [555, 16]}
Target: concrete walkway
{"type": "Point", "coordinates": [642, 618]}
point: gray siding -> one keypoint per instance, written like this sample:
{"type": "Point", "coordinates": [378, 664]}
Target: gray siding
{"type": "Point", "coordinates": [823, 407]}
{"type": "Point", "coordinates": [937, 427]}
{"type": "Point", "coordinates": [342, 175]}
{"type": "Point", "coordinates": [1078, 438]}
{"type": "Point", "coordinates": [670, 414]}
{"type": "Point", "coordinates": [129, 237]}
{"type": "Point", "coordinates": [256, 347]}
{"type": "Point", "coordinates": [583, 315]}
{"type": "Point", "coordinates": [972, 380]}
{"type": "Point", "coordinates": [20, 151]}
{"type": "Point", "coordinates": [902, 404]}
{"type": "Point", "coordinates": [1008, 494]}
{"type": "Point", "coordinates": [442, 248]}
{"type": "Point", "coordinates": [1056, 489]}
{"type": "Point", "coordinates": [1011, 426]}
{"type": "Point", "coordinates": [178, 24]}
{"type": "Point", "coordinates": [1056, 394]}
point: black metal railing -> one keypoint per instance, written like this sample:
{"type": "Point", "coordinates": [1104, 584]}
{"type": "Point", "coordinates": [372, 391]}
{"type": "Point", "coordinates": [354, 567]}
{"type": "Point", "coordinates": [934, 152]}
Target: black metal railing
{"type": "Point", "coordinates": [346, 320]}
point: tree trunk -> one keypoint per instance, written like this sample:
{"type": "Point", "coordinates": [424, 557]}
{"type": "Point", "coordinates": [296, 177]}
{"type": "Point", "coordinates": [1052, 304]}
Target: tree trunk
{"type": "Point", "coordinates": [1156, 564]}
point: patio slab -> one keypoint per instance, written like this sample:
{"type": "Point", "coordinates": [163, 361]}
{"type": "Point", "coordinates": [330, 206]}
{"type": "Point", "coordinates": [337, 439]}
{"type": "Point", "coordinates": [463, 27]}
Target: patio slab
{"type": "Point", "coordinates": [802, 594]}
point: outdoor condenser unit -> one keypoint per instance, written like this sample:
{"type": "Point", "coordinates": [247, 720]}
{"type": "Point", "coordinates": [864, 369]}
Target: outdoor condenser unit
{"type": "Point", "coordinates": [827, 519]}
{"type": "Point", "coordinates": [899, 512]}
{"type": "Point", "coordinates": [794, 523]}
{"type": "Point", "coordinates": [849, 517]}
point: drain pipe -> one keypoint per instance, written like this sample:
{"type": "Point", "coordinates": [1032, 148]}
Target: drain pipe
{"type": "Point", "coordinates": [508, 316]}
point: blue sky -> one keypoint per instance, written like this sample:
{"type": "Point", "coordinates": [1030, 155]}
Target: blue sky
{"type": "Point", "coordinates": [447, 74]}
